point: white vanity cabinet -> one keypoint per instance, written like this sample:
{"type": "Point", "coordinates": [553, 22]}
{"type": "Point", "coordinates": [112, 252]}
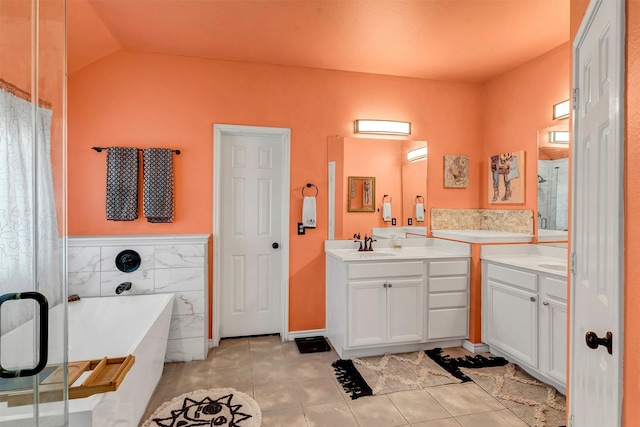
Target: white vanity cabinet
{"type": "Point", "coordinates": [553, 327]}
{"type": "Point", "coordinates": [397, 301]}
{"type": "Point", "coordinates": [448, 300]}
{"type": "Point", "coordinates": [524, 318]}
{"type": "Point", "coordinates": [387, 308]}
{"type": "Point", "coordinates": [510, 312]}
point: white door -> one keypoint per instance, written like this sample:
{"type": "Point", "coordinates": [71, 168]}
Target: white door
{"type": "Point", "coordinates": [597, 216]}
{"type": "Point", "coordinates": [253, 232]}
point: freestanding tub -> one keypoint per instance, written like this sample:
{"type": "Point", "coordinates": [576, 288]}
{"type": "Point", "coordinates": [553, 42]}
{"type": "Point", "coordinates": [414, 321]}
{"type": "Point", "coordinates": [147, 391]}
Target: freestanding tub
{"type": "Point", "coordinates": [99, 327]}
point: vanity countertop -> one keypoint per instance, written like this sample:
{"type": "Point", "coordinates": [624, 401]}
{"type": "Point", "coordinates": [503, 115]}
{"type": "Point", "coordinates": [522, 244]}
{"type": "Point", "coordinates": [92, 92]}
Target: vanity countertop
{"type": "Point", "coordinates": [483, 236]}
{"type": "Point", "coordinates": [546, 259]}
{"type": "Point", "coordinates": [552, 235]}
{"type": "Point", "coordinates": [347, 250]}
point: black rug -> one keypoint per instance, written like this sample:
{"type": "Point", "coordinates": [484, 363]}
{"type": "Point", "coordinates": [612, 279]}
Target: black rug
{"type": "Point", "coordinates": [312, 344]}
{"type": "Point", "coordinates": [453, 364]}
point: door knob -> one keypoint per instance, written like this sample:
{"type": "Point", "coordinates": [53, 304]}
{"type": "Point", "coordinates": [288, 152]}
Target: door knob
{"type": "Point", "coordinates": [593, 341]}
{"type": "Point", "coordinates": [275, 245]}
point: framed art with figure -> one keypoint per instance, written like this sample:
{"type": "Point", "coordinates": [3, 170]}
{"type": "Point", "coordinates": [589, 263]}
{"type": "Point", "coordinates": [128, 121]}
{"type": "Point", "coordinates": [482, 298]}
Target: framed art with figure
{"type": "Point", "coordinates": [506, 178]}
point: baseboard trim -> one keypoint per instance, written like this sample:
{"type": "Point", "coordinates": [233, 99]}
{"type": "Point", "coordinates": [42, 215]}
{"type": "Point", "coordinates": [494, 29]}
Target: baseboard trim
{"type": "Point", "coordinates": [291, 336]}
{"type": "Point", "coordinates": [475, 347]}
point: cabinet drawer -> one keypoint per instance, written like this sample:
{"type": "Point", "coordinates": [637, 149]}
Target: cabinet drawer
{"type": "Point", "coordinates": [448, 268]}
{"type": "Point", "coordinates": [513, 277]}
{"type": "Point", "coordinates": [454, 299]}
{"type": "Point", "coordinates": [555, 288]}
{"type": "Point", "coordinates": [385, 270]}
{"type": "Point", "coordinates": [448, 284]}
{"type": "Point", "coordinates": [448, 323]}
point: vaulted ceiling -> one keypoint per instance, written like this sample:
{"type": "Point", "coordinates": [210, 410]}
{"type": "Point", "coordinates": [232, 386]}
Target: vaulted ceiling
{"type": "Point", "coordinates": [455, 40]}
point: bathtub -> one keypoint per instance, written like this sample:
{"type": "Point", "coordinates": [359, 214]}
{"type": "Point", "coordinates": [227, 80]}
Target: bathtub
{"type": "Point", "coordinates": [99, 327]}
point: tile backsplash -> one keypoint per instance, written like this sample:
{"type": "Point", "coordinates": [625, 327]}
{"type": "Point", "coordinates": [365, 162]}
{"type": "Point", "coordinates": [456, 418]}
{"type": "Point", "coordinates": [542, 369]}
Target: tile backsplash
{"type": "Point", "coordinates": [169, 264]}
{"type": "Point", "coordinates": [512, 220]}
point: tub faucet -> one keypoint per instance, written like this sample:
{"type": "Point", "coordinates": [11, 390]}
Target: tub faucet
{"type": "Point", "coordinates": [125, 286]}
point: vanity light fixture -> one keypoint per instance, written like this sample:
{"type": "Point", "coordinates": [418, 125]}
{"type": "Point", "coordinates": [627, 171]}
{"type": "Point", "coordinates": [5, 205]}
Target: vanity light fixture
{"type": "Point", "coordinates": [559, 136]}
{"type": "Point", "coordinates": [417, 154]}
{"type": "Point", "coordinates": [383, 127]}
{"type": "Point", "coordinates": [561, 110]}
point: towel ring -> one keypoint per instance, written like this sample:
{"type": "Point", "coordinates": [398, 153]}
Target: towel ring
{"type": "Point", "coordinates": [385, 196]}
{"type": "Point", "coordinates": [418, 199]}
{"type": "Point", "coordinates": [309, 186]}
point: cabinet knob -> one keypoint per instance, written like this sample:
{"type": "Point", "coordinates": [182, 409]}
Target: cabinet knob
{"type": "Point", "coordinates": [545, 303]}
{"type": "Point", "coordinates": [390, 285]}
{"type": "Point", "coordinates": [385, 284]}
{"type": "Point", "coordinates": [532, 299]}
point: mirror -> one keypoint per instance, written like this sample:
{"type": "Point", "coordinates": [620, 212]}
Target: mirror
{"type": "Point", "coordinates": [361, 194]}
{"type": "Point", "coordinates": [385, 160]}
{"type": "Point", "coordinates": [553, 182]}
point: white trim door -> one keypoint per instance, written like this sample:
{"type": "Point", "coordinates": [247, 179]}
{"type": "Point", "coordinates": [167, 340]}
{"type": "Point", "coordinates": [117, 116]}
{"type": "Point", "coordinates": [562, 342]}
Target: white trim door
{"type": "Point", "coordinates": [251, 231]}
{"type": "Point", "coordinates": [597, 288]}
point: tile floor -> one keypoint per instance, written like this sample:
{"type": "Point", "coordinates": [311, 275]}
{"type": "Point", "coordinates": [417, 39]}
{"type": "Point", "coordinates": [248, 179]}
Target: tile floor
{"type": "Point", "coordinates": [296, 389]}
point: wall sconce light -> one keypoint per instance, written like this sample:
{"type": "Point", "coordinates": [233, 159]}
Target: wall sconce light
{"type": "Point", "coordinates": [559, 136]}
{"type": "Point", "coordinates": [417, 154]}
{"type": "Point", "coordinates": [561, 110]}
{"type": "Point", "coordinates": [383, 127]}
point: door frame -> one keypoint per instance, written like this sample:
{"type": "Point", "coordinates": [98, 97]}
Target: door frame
{"type": "Point", "coordinates": [616, 114]}
{"type": "Point", "coordinates": [219, 131]}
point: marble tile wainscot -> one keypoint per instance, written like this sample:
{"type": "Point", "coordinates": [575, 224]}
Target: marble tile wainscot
{"type": "Point", "coordinates": [176, 264]}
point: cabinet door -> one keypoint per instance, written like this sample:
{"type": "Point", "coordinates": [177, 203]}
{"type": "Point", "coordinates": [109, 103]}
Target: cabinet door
{"type": "Point", "coordinates": [553, 337]}
{"type": "Point", "coordinates": [366, 313]}
{"type": "Point", "coordinates": [405, 310]}
{"type": "Point", "coordinates": [513, 321]}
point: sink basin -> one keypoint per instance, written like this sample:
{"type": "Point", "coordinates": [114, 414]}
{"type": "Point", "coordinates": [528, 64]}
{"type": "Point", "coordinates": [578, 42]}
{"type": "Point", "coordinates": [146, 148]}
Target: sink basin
{"type": "Point", "coordinates": [372, 254]}
{"type": "Point", "coordinates": [554, 266]}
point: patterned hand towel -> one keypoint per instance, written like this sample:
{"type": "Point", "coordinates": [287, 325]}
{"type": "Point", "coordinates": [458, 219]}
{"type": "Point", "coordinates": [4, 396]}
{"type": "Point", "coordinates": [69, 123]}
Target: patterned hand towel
{"type": "Point", "coordinates": [122, 184]}
{"type": "Point", "coordinates": [157, 164]}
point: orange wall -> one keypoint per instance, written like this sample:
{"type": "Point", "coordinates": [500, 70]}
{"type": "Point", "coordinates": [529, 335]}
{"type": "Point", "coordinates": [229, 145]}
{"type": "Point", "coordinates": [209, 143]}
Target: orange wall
{"type": "Point", "coordinates": [515, 106]}
{"type": "Point", "coordinates": [143, 100]}
{"type": "Point", "coordinates": [631, 411]}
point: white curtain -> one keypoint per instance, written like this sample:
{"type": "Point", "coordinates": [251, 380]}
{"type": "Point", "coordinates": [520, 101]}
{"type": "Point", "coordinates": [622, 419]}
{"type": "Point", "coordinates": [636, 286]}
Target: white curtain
{"type": "Point", "coordinates": [30, 255]}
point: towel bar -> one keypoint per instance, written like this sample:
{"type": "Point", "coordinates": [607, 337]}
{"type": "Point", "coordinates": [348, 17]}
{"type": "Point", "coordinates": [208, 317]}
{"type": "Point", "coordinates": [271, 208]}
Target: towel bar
{"type": "Point", "coordinates": [99, 149]}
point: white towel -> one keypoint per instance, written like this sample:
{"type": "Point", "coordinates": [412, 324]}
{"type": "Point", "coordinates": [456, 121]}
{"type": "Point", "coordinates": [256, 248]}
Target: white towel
{"type": "Point", "coordinates": [386, 211]}
{"type": "Point", "coordinates": [419, 212]}
{"type": "Point", "coordinates": [309, 212]}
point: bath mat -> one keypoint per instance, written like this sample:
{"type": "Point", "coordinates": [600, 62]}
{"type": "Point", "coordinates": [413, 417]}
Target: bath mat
{"type": "Point", "coordinates": [536, 403]}
{"type": "Point", "coordinates": [390, 373]}
{"type": "Point", "coordinates": [312, 345]}
{"type": "Point", "coordinates": [215, 407]}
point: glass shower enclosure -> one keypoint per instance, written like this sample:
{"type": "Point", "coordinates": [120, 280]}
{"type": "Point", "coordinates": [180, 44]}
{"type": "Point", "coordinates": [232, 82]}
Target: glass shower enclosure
{"type": "Point", "coordinates": [33, 299]}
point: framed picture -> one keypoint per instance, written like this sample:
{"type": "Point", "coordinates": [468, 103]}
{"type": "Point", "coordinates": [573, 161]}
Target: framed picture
{"type": "Point", "coordinates": [456, 171]}
{"type": "Point", "coordinates": [506, 178]}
